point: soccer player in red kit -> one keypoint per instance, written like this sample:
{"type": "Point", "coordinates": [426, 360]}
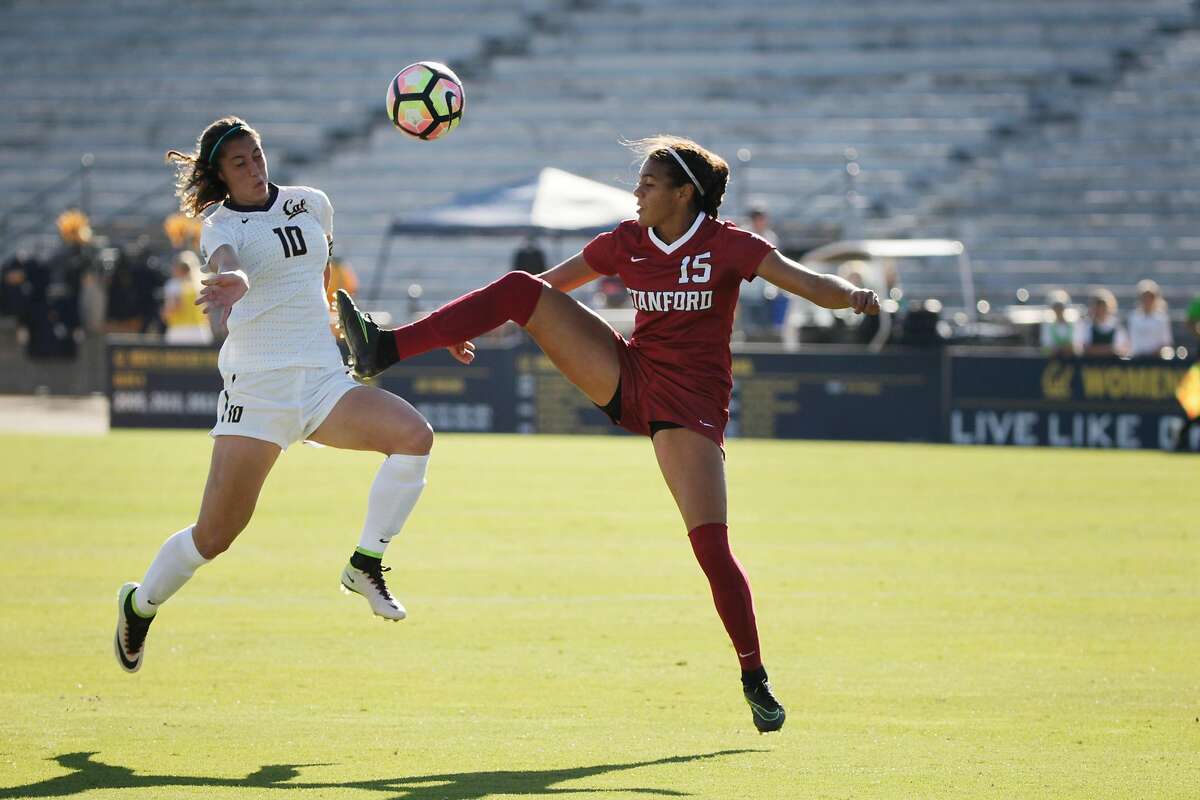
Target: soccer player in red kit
{"type": "Point", "coordinates": [671, 381]}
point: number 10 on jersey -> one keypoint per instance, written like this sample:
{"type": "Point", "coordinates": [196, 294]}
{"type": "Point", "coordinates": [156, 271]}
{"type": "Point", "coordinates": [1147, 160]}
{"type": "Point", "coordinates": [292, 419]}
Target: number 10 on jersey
{"type": "Point", "coordinates": [292, 239]}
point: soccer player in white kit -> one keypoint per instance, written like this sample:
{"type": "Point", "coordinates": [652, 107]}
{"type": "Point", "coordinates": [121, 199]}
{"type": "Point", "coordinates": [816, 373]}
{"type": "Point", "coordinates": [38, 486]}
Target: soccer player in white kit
{"type": "Point", "coordinates": [267, 247]}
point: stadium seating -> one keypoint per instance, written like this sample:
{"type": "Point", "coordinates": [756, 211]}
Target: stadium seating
{"type": "Point", "coordinates": [1106, 196]}
{"type": "Point", "coordinates": [1053, 138]}
{"type": "Point", "coordinates": [922, 92]}
{"type": "Point", "coordinates": [306, 75]}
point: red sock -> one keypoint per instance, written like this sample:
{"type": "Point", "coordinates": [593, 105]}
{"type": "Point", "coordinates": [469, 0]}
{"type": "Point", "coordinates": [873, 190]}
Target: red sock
{"type": "Point", "coordinates": [514, 296]}
{"type": "Point", "coordinates": [730, 590]}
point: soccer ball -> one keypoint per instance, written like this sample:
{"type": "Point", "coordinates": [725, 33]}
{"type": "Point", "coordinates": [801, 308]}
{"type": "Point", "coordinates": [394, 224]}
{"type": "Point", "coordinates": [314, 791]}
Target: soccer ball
{"type": "Point", "coordinates": [425, 100]}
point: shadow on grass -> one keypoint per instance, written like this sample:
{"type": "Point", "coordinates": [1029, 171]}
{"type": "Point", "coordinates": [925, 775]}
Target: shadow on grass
{"type": "Point", "coordinates": [88, 774]}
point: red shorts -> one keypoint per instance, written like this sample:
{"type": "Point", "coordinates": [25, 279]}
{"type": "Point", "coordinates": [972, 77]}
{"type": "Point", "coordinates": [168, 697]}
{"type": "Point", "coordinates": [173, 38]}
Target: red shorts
{"type": "Point", "coordinates": [652, 393]}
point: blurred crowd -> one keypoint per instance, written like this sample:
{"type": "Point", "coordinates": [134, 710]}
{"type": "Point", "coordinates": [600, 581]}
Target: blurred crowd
{"type": "Point", "coordinates": [1060, 328]}
{"type": "Point", "coordinates": [83, 287]}
{"type": "Point", "coordinates": [1099, 330]}
{"type": "Point", "coordinates": [86, 287]}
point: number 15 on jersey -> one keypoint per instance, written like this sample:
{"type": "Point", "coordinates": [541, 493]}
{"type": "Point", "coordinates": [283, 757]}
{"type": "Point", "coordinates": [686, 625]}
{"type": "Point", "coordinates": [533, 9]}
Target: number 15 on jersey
{"type": "Point", "coordinates": [701, 269]}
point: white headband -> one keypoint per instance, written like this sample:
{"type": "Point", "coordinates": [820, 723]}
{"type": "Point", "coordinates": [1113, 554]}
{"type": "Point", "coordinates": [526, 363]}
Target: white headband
{"type": "Point", "coordinates": [699, 188]}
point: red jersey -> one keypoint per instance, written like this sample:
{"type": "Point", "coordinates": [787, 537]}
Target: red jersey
{"type": "Point", "coordinates": [685, 294]}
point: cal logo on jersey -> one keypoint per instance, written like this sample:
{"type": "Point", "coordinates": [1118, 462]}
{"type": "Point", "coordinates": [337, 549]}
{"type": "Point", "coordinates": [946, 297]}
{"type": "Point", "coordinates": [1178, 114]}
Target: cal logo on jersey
{"type": "Point", "coordinates": [292, 208]}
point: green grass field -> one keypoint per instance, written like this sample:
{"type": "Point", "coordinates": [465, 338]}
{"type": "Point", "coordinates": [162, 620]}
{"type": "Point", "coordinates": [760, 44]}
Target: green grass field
{"type": "Point", "coordinates": [939, 622]}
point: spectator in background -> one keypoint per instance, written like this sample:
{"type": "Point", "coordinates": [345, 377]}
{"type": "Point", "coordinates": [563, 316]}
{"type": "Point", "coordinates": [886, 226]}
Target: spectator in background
{"type": "Point", "coordinates": [760, 224]}
{"type": "Point", "coordinates": [80, 259]}
{"type": "Point", "coordinates": [758, 315]}
{"type": "Point", "coordinates": [1188, 391]}
{"type": "Point", "coordinates": [1193, 320]}
{"type": "Point", "coordinates": [1057, 334]}
{"type": "Point", "coordinates": [122, 314]}
{"type": "Point", "coordinates": [182, 231]}
{"type": "Point", "coordinates": [1149, 324]}
{"type": "Point", "coordinates": [186, 322]}
{"type": "Point", "coordinates": [51, 315]}
{"type": "Point", "coordinates": [529, 256]}
{"type": "Point", "coordinates": [1100, 332]}
{"type": "Point", "coordinates": [338, 275]}
{"type": "Point", "coordinates": [93, 298]}
{"type": "Point", "coordinates": [14, 285]}
{"type": "Point", "coordinates": [134, 293]}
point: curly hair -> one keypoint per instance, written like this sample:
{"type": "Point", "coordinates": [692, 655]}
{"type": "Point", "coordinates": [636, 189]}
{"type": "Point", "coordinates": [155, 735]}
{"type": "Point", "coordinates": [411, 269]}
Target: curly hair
{"type": "Point", "coordinates": [710, 170]}
{"type": "Point", "coordinates": [198, 183]}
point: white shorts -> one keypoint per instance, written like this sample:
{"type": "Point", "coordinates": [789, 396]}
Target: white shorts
{"type": "Point", "coordinates": [281, 406]}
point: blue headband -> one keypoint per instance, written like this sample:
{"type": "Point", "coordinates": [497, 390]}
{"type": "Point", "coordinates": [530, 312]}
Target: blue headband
{"type": "Point", "coordinates": [212, 154]}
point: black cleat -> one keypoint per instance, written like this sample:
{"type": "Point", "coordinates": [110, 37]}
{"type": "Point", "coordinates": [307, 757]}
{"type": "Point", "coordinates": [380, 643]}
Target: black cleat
{"type": "Point", "coordinates": [362, 337]}
{"type": "Point", "coordinates": [767, 712]}
{"type": "Point", "coordinates": [130, 641]}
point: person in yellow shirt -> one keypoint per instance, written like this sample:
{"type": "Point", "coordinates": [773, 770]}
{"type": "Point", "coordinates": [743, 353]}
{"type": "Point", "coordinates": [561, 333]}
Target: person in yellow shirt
{"type": "Point", "coordinates": [338, 275]}
{"type": "Point", "coordinates": [186, 323]}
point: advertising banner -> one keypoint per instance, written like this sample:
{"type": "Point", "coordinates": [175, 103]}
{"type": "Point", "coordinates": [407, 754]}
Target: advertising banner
{"type": "Point", "coordinates": [160, 386]}
{"type": "Point", "coordinates": [1029, 400]}
{"type": "Point", "coordinates": [959, 396]}
{"type": "Point", "coordinates": [851, 395]}
{"type": "Point", "coordinates": [457, 398]}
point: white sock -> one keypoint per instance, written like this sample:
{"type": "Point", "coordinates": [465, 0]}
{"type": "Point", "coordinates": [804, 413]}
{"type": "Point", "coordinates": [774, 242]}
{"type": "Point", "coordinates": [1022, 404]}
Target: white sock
{"type": "Point", "coordinates": [394, 493]}
{"type": "Point", "coordinates": [175, 563]}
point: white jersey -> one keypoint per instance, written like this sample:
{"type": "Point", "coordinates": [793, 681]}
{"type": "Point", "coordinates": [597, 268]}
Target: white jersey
{"type": "Point", "coordinates": [282, 321]}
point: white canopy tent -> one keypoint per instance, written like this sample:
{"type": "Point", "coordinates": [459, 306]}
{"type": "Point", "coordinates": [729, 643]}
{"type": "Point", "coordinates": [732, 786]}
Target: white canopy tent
{"type": "Point", "coordinates": [553, 202]}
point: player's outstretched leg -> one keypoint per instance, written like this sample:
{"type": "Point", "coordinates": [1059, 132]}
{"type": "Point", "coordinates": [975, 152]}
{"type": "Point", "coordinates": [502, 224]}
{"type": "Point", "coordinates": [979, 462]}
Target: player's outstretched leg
{"type": "Point", "coordinates": [373, 349]}
{"type": "Point", "coordinates": [130, 640]}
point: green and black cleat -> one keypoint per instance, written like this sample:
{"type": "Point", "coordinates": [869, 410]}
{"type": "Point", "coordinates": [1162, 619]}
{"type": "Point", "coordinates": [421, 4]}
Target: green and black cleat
{"type": "Point", "coordinates": [767, 712]}
{"type": "Point", "coordinates": [362, 337]}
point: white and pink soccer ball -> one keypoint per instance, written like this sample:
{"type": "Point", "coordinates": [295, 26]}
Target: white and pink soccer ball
{"type": "Point", "coordinates": [425, 100]}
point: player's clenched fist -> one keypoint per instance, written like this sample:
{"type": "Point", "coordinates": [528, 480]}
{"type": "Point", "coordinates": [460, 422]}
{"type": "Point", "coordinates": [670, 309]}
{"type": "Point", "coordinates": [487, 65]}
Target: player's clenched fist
{"type": "Point", "coordinates": [464, 352]}
{"type": "Point", "coordinates": [864, 301]}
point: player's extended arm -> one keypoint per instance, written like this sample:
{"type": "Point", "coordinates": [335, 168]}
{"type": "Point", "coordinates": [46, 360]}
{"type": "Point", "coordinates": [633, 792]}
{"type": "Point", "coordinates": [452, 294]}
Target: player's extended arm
{"type": "Point", "coordinates": [570, 274]}
{"type": "Point", "coordinates": [224, 288]}
{"type": "Point", "coordinates": [828, 291]}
